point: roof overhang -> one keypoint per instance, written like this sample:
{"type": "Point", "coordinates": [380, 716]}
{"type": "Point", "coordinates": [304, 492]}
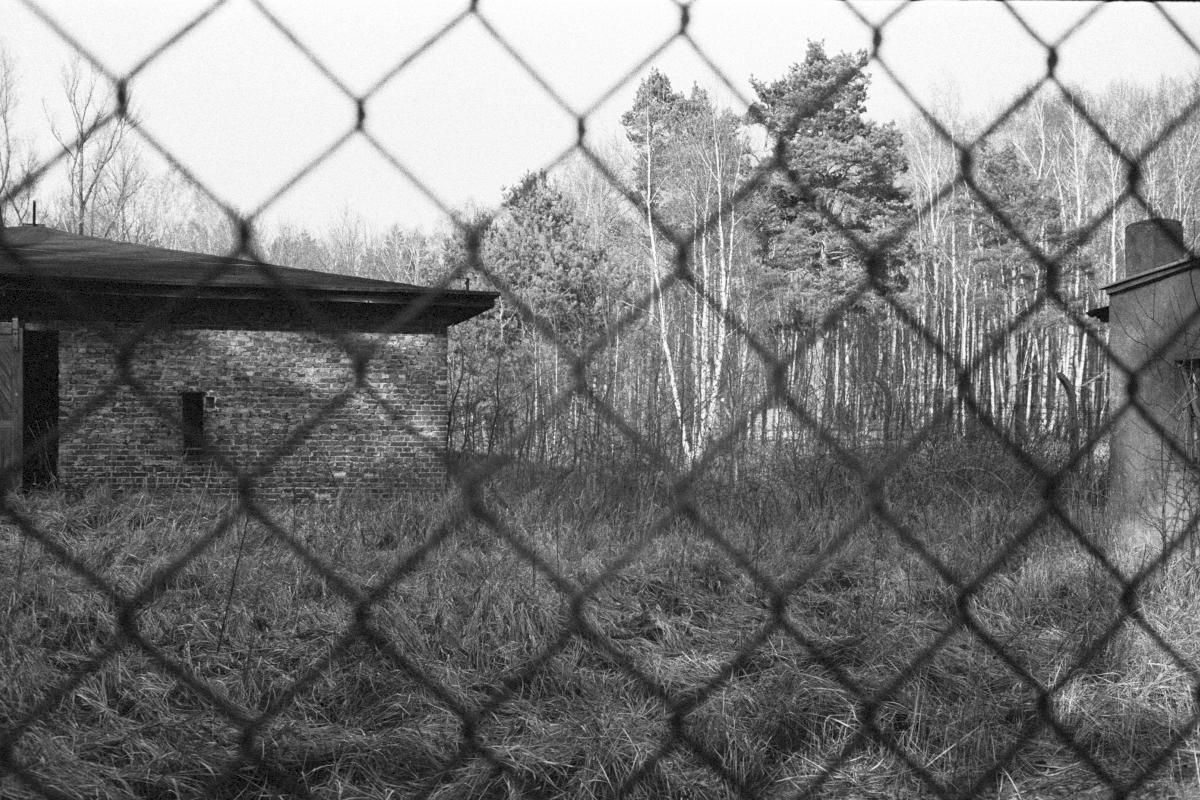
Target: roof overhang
{"type": "Point", "coordinates": [49, 276]}
{"type": "Point", "coordinates": [1151, 275]}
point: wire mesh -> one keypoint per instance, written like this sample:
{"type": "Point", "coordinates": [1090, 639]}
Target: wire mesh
{"type": "Point", "coordinates": [689, 718]}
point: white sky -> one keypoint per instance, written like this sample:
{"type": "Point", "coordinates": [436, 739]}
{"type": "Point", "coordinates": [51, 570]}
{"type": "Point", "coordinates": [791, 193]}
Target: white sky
{"type": "Point", "coordinates": [239, 106]}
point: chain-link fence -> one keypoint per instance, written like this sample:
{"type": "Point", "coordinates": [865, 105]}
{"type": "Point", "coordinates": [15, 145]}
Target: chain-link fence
{"type": "Point", "coordinates": [466, 646]}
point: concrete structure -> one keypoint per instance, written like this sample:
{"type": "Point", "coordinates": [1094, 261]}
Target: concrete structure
{"type": "Point", "coordinates": [1154, 337]}
{"type": "Point", "coordinates": [143, 367]}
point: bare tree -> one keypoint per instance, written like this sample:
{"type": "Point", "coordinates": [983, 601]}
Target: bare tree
{"type": "Point", "coordinates": [104, 172]}
{"type": "Point", "coordinates": [16, 157]}
{"type": "Point", "coordinates": [346, 243]}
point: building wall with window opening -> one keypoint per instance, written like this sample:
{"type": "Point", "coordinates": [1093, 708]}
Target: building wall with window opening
{"type": "Point", "coordinates": [304, 383]}
{"type": "Point", "coordinates": [212, 402]}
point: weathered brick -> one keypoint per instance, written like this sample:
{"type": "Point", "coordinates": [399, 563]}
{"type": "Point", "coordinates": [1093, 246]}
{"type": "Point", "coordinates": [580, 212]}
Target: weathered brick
{"type": "Point", "coordinates": [265, 387]}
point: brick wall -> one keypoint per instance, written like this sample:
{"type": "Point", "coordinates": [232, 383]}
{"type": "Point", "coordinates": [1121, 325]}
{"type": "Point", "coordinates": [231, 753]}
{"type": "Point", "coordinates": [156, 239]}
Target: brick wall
{"type": "Point", "coordinates": [260, 389]}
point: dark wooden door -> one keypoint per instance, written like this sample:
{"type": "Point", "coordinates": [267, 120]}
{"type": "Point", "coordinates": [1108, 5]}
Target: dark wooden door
{"type": "Point", "coordinates": [10, 404]}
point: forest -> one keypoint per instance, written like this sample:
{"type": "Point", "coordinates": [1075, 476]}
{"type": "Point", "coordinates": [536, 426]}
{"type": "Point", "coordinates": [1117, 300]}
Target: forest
{"type": "Point", "coordinates": [793, 272]}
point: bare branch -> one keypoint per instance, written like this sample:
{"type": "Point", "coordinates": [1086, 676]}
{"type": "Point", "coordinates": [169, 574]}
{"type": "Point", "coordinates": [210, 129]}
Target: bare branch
{"type": "Point", "coordinates": [104, 173]}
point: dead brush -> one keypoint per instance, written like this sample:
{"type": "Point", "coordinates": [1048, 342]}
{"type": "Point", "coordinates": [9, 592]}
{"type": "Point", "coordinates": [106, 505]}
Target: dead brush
{"type": "Point", "coordinates": [477, 674]}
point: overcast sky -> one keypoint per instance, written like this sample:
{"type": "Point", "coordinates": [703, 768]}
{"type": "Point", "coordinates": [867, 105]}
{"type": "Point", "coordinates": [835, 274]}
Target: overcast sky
{"type": "Point", "coordinates": [237, 104]}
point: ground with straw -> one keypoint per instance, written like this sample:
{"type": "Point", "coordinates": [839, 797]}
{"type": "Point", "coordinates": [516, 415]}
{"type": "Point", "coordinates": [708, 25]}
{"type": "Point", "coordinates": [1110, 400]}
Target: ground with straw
{"type": "Point", "coordinates": [641, 659]}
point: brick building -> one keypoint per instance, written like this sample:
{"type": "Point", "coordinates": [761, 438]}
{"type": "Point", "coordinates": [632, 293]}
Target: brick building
{"type": "Point", "coordinates": [140, 367]}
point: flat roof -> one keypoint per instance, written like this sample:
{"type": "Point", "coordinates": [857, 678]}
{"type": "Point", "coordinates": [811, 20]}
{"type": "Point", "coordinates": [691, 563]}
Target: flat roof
{"type": "Point", "coordinates": [48, 274]}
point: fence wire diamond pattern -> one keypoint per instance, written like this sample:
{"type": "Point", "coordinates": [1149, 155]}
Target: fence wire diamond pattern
{"type": "Point", "coordinates": [686, 718]}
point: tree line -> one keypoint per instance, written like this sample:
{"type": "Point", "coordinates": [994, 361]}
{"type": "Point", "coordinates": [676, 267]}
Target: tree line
{"type": "Point", "coordinates": [894, 276]}
{"type": "Point", "coordinates": [793, 273]}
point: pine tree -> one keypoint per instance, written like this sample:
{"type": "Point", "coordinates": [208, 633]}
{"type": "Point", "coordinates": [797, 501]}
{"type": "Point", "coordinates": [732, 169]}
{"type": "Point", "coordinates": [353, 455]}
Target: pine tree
{"type": "Point", "coordinates": [542, 253]}
{"type": "Point", "coordinates": [839, 180]}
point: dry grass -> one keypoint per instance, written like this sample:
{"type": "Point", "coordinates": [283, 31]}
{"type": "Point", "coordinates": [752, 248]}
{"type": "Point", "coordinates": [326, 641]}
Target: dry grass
{"type": "Point", "coordinates": [475, 676]}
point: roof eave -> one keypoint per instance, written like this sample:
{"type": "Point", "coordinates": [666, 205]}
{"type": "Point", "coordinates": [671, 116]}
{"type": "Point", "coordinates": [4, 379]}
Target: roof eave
{"type": "Point", "coordinates": [230, 308]}
{"type": "Point", "coordinates": [1151, 275]}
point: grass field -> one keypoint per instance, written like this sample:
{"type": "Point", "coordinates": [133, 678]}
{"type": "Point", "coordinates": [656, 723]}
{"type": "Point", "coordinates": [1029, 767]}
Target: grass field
{"type": "Point", "coordinates": [842, 669]}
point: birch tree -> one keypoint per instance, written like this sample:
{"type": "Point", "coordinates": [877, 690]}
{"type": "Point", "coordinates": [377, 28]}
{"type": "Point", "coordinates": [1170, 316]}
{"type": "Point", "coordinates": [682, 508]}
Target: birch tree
{"type": "Point", "coordinates": [691, 159]}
